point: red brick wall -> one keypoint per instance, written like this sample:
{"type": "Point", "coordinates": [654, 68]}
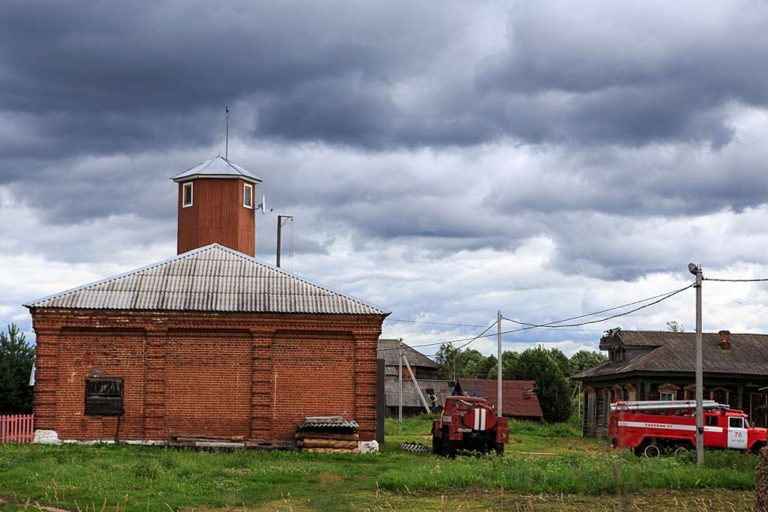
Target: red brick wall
{"type": "Point", "coordinates": [119, 354]}
{"type": "Point", "coordinates": [252, 375]}
{"type": "Point", "coordinates": [208, 383]}
{"type": "Point", "coordinates": [314, 375]}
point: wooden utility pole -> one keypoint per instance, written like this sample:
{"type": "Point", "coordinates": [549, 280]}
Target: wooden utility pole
{"type": "Point", "coordinates": [280, 224]}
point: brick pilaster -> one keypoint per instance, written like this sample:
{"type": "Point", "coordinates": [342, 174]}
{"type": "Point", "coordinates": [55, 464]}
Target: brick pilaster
{"type": "Point", "coordinates": [154, 385]}
{"type": "Point", "coordinates": [262, 411]}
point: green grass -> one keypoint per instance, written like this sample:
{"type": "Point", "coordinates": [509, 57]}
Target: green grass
{"type": "Point", "coordinates": [546, 460]}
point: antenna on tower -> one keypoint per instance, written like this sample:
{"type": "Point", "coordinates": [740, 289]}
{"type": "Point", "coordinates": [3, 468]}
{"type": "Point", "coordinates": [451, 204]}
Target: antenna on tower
{"type": "Point", "coordinates": [226, 139]}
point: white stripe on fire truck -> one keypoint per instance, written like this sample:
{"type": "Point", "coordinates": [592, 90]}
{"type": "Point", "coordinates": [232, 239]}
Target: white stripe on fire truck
{"type": "Point", "coordinates": [482, 419]}
{"type": "Point", "coordinates": [477, 419]}
{"type": "Point", "coordinates": [666, 426]}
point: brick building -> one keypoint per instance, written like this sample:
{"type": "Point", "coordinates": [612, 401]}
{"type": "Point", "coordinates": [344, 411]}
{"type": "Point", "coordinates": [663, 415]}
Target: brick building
{"type": "Point", "coordinates": [211, 342]}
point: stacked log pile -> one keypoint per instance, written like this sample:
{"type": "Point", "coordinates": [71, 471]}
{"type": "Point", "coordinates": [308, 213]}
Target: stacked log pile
{"type": "Point", "coordinates": [327, 434]}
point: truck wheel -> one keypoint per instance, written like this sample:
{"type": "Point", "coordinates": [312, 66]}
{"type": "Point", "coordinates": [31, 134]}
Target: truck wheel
{"type": "Point", "coordinates": [680, 452]}
{"type": "Point", "coordinates": [650, 450]}
{"type": "Point", "coordinates": [449, 448]}
{"type": "Point", "coordinates": [500, 449]}
{"type": "Point", "coordinates": [437, 445]}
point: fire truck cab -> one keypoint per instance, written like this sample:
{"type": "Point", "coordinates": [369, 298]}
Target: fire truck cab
{"type": "Point", "coordinates": [655, 427]}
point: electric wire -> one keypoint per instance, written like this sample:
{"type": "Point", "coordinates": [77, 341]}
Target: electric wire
{"type": "Point", "coordinates": [552, 326]}
{"type": "Point", "coordinates": [528, 326]}
{"type": "Point", "coordinates": [735, 280]}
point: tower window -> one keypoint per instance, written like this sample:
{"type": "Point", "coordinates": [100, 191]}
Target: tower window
{"type": "Point", "coordinates": [186, 199]}
{"type": "Point", "coordinates": [247, 195]}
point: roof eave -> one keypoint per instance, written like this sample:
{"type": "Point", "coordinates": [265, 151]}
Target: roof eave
{"type": "Point", "coordinates": [249, 179]}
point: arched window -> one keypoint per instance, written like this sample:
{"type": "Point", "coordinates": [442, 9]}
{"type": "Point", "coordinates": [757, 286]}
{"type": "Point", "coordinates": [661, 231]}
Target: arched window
{"type": "Point", "coordinates": [631, 393]}
{"type": "Point", "coordinates": [720, 395]}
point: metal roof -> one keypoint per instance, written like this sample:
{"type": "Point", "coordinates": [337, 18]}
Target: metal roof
{"type": "Point", "coordinates": [212, 278]}
{"type": "Point", "coordinates": [218, 167]}
{"type": "Point", "coordinates": [519, 397]}
{"type": "Point", "coordinates": [675, 352]}
{"type": "Point", "coordinates": [388, 350]}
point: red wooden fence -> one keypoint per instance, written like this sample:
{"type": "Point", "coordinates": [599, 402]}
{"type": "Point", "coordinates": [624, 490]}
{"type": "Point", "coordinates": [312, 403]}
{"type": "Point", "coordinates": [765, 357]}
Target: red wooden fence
{"type": "Point", "coordinates": [17, 428]}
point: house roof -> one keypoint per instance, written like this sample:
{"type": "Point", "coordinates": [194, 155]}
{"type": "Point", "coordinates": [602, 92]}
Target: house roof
{"type": "Point", "coordinates": [675, 352]}
{"type": "Point", "coordinates": [519, 398]}
{"type": "Point", "coordinates": [388, 350]}
{"type": "Point", "coordinates": [218, 167]}
{"type": "Point", "coordinates": [211, 278]}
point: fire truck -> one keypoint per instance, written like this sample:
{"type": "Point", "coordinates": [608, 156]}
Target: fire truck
{"type": "Point", "coordinates": [652, 428]}
{"type": "Point", "coordinates": [469, 423]}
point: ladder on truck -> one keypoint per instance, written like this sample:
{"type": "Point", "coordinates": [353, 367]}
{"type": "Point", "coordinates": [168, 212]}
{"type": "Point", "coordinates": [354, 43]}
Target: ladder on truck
{"type": "Point", "coordinates": [665, 405]}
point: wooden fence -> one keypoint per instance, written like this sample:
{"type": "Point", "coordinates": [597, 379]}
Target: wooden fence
{"type": "Point", "coordinates": [17, 428]}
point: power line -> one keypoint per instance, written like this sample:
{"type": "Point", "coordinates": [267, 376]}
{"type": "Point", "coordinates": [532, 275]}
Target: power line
{"type": "Point", "coordinates": [433, 323]}
{"type": "Point", "coordinates": [528, 326]}
{"type": "Point", "coordinates": [552, 326]}
{"type": "Point", "coordinates": [736, 280]}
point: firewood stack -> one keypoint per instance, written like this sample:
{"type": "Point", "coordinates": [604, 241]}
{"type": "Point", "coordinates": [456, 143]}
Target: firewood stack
{"type": "Point", "coordinates": [327, 434]}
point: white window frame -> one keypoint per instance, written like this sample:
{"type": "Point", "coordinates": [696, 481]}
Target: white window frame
{"type": "Point", "coordinates": [670, 395]}
{"type": "Point", "coordinates": [247, 194]}
{"type": "Point", "coordinates": [184, 194]}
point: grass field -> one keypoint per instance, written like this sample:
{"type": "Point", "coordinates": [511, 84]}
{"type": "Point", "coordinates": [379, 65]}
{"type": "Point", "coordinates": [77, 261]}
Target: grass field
{"type": "Point", "coordinates": [545, 468]}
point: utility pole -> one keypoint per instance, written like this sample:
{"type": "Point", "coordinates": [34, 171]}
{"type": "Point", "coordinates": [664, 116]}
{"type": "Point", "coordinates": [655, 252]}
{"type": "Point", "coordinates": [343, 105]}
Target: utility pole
{"type": "Point", "coordinates": [280, 223]}
{"type": "Point", "coordinates": [400, 379]}
{"type": "Point", "coordinates": [498, 368]}
{"type": "Point", "coordinates": [696, 270]}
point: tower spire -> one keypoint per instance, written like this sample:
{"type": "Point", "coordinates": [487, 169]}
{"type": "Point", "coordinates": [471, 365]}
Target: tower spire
{"type": "Point", "coordinates": [226, 138]}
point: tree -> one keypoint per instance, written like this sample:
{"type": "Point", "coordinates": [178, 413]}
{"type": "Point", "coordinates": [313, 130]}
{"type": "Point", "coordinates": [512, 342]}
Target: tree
{"type": "Point", "coordinates": [586, 359]}
{"type": "Point", "coordinates": [16, 359]}
{"type": "Point", "coordinates": [552, 386]}
{"type": "Point", "coordinates": [561, 359]}
{"type": "Point", "coordinates": [453, 362]}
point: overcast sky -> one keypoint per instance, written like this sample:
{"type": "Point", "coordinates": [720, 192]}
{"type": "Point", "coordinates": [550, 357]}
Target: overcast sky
{"type": "Point", "coordinates": [442, 160]}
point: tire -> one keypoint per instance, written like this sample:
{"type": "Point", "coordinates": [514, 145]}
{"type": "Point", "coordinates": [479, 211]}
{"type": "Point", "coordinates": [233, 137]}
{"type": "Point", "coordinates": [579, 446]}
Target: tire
{"type": "Point", "coordinates": [680, 452]}
{"type": "Point", "coordinates": [650, 451]}
{"type": "Point", "coordinates": [437, 445]}
{"type": "Point", "coordinates": [500, 449]}
{"type": "Point", "coordinates": [755, 450]}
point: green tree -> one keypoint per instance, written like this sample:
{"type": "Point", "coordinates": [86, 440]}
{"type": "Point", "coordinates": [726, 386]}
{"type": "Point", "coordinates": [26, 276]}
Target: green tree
{"type": "Point", "coordinates": [552, 386]}
{"type": "Point", "coordinates": [561, 359]}
{"type": "Point", "coordinates": [16, 358]}
{"type": "Point", "coordinates": [586, 359]}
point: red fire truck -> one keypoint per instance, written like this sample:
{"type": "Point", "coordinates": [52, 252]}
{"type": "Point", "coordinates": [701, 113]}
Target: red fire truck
{"type": "Point", "coordinates": [651, 428]}
{"type": "Point", "coordinates": [469, 423]}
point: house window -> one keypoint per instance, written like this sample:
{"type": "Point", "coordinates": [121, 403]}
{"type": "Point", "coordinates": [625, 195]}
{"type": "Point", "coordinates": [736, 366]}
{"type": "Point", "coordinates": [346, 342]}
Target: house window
{"type": "Point", "coordinates": [668, 391]}
{"type": "Point", "coordinates": [103, 397]}
{"type": "Point", "coordinates": [720, 395]}
{"type": "Point", "coordinates": [247, 195]}
{"type": "Point", "coordinates": [186, 195]}
{"type": "Point", "coordinates": [591, 408]}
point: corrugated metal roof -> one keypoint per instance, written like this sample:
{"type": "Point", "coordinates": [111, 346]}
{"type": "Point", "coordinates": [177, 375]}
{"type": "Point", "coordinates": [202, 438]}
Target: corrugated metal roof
{"type": "Point", "coordinates": [212, 278]}
{"type": "Point", "coordinates": [388, 350]}
{"type": "Point", "coordinates": [218, 167]}
{"type": "Point", "coordinates": [519, 397]}
{"type": "Point", "coordinates": [675, 352]}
